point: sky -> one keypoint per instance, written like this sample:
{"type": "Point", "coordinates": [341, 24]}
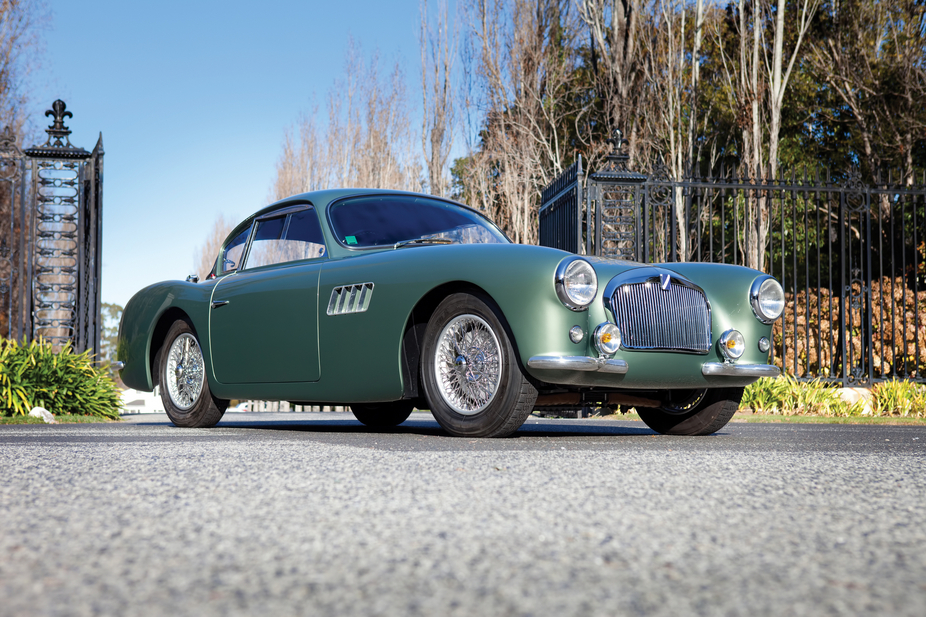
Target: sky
{"type": "Point", "coordinates": [193, 99]}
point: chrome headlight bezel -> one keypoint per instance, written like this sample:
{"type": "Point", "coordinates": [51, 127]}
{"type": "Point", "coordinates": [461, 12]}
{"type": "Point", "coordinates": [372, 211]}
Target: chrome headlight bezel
{"type": "Point", "coordinates": [567, 269]}
{"type": "Point", "coordinates": [760, 292]}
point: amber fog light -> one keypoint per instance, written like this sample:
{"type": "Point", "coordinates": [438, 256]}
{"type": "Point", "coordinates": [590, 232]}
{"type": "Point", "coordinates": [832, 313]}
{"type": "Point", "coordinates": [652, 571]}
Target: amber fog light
{"type": "Point", "coordinates": [607, 339]}
{"type": "Point", "coordinates": [732, 344]}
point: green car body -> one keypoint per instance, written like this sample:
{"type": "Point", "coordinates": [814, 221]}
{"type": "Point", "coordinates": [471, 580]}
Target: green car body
{"type": "Point", "coordinates": [275, 333]}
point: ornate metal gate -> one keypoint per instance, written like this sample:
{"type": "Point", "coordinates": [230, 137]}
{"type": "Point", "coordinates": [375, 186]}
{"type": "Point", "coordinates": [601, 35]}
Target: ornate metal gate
{"type": "Point", "coordinates": [51, 199]}
{"type": "Point", "coordinates": [851, 256]}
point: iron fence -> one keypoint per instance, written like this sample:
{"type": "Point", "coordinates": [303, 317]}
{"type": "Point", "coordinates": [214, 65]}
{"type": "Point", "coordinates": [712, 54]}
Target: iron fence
{"type": "Point", "coordinates": [850, 255]}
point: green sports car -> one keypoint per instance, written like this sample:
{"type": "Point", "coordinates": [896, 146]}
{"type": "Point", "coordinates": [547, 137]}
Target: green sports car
{"type": "Point", "coordinates": [387, 301]}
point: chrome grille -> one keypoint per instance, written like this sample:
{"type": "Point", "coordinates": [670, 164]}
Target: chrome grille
{"type": "Point", "coordinates": [649, 317]}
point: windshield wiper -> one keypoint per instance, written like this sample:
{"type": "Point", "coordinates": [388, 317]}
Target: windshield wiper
{"type": "Point", "coordinates": [423, 240]}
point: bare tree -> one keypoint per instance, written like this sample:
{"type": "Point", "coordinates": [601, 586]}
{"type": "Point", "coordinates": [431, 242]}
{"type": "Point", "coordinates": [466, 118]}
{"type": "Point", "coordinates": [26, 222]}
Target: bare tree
{"type": "Point", "coordinates": [204, 256]}
{"type": "Point", "coordinates": [524, 57]}
{"type": "Point", "coordinates": [367, 141]}
{"type": "Point", "coordinates": [618, 63]}
{"type": "Point", "coordinates": [438, 47]}
{"type": "Point", "coordinates": [21, 27]}
{"type": "Point", "coordinates": [756, 82]}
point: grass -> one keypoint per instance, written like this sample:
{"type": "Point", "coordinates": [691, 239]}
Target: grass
{"type": "Point", "coordinates": [780, 419]}
{"type": "Point", "coordinates": [62, 419]}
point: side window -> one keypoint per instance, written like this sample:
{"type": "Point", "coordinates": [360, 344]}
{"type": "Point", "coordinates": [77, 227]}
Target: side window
{"type": "Point", "coordinates": [286, 238]}
{"type": "Point", "coordinates": [231, 256]}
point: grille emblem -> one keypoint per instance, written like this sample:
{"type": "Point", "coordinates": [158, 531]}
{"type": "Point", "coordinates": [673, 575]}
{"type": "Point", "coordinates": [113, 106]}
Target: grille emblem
{"type": "Point", "coordinates": [665, 281]}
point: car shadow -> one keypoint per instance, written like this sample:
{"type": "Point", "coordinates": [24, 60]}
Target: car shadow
{"type": "Point", "coordinates": [533, 428]}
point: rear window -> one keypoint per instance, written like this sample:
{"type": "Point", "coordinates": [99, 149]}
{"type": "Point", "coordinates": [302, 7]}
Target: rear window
{"type": "Point", "coordinates": [384, 220]}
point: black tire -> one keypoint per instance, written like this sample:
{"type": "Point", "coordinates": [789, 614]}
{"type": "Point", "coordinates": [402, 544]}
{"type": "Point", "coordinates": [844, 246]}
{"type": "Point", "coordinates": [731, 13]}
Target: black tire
{"type": "Point", "coordinates": [481, 391]}
{"type": "Point", "coordinates": [697, 412]}
{"type": "Point", "coordinates": [187, 403]}
{"type": "Point", "coordinates": [382, 415]}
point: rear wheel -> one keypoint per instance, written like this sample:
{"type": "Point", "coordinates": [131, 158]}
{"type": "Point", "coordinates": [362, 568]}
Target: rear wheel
{"type": "Point", "coordinates": [694, 412]}
{"type": "Point", "coordinates": [471, 376]}
{"type": "Point", "coordinates": [184, 387]}
{"type": "Point", "coordinates": [382, 415]}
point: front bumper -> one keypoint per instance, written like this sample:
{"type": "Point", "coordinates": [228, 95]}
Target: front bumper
{"type": "Point", "coordinates": [588, 364]}
{"type": "Point", "coordinates": [578, 363]}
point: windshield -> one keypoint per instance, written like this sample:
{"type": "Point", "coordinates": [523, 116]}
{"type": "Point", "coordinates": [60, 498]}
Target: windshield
{"type": "Point", "coordinates": [387, 220]}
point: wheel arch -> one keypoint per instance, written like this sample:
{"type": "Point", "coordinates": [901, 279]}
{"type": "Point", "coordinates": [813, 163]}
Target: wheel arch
{"type": "Point", "coordinates": [417, 322]}
{"type": "Point", "coordinates": [159, 334]}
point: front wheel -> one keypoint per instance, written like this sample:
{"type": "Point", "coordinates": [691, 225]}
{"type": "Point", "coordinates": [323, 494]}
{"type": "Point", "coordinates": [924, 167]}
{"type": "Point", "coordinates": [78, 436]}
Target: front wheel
{"type": "Point", "coordinates": [382, 415]}
{"type": "Point", "coordinates": [471, 376]}
{"type": "Point", "coordinates": [694, 412]}
{"type": "Point", "coordinates": [184, 388]}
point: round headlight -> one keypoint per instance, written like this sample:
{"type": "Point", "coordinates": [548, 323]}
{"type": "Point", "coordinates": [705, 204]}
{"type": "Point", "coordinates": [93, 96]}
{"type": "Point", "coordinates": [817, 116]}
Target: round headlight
{"type": "Point", "coordinates": [767, 299]}
{"type": "Point", "coordinates": [732, 344]}
{"type": "Point", "coordinates": [576, 283]}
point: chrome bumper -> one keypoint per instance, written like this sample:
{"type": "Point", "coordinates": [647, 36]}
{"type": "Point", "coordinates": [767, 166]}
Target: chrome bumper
{"type": "Point", "coordinates": [739, 370]}
{"type": "Point", "coordinates": [578, 363]}
{"type": "Point", "coordinates": [617, 366]}
{"type": "Point", "coordinates": [117, 366]}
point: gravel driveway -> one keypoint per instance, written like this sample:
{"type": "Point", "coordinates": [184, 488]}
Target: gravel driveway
{"type": "Point", "coordinates": [312, 514]}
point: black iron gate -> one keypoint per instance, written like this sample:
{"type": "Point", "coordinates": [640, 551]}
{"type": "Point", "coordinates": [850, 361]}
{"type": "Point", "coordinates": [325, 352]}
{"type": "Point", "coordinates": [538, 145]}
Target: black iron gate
{"type": "Point", "coordinates": [851, 256]}
{"type": "Point", "coordinates": [50, 238]}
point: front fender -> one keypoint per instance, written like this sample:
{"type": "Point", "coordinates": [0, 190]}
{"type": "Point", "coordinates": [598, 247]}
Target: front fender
{"type": "Point", "coordinates": [144, 313]}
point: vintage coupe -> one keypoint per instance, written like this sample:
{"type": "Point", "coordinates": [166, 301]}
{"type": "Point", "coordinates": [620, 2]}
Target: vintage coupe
{"type": "Point", "coordinates": [387, 301]}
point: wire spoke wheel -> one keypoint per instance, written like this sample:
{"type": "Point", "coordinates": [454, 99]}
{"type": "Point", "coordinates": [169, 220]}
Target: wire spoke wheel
{"type": "Point", "coordinates": [470, 373]}
{"type": "Point", "coordinates": [185, 371]}
{"type": "Point", "coordinates": [180, 370]}
{"type": "Point", "coordinates": [468, 367]}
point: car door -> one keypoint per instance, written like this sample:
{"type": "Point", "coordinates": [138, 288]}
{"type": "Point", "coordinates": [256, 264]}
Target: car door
{"type": "Point", "coordinates": [263, 322]}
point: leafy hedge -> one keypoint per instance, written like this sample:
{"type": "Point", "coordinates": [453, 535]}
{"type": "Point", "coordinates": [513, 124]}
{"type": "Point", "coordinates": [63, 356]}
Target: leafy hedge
{"type": "Point", "coordinates": [787, 396]}
{"type": "Point", "coordinates": [33, 375]}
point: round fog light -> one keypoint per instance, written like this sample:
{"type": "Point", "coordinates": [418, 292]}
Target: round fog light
{"type": "Point", "coordinates": [607, 339]}
{"type": "Point", "coordinates": [764, 345]}
{"type": "Point", "coordinates": [732, 344]}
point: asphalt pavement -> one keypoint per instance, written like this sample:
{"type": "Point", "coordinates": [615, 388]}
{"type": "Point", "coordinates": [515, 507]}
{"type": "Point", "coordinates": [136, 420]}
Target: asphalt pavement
{"type": "Point", "coordinates": [313, 514]}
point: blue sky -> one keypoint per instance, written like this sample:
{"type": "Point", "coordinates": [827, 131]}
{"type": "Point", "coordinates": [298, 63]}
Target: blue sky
{"type": "Point", "coordinates": [193, 99]}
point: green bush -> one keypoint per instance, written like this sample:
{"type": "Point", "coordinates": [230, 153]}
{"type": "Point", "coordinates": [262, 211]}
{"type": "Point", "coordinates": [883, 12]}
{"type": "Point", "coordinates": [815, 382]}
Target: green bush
{"type": "Point", "coordinates": [899, 398]}
{"type": "Point", "coordinates": [33, 375]}
{"type": "Point", "coordinates": [787, 396]}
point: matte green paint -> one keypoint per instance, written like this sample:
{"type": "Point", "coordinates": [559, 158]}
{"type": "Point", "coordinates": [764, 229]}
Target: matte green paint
{"type": "Point", "coordinates": [272, 332]}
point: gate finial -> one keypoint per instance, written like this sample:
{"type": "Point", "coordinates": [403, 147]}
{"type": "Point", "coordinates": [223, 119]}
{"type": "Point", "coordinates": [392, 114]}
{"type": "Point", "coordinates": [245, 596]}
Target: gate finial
{"type": "Point", "coordinates": [617, 142]}
{"type": "Point", "coordinates": [58, 131]}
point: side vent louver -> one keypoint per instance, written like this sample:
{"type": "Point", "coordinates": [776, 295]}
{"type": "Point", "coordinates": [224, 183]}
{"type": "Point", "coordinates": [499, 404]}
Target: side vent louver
{"type": "Point", "coordinates": [350, 299]}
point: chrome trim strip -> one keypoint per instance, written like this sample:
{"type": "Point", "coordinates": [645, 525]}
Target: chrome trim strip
{"type": "Point", "coordinates": [724, 369]}
{"type": "Point", "coordinates": [578, 363]}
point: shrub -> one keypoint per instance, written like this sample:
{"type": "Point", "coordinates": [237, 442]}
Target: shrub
{"type": "Point", "coordinates": [787, 396]}
{"type": "Point", "coordinates": [899, 398]}
{"type": "Point", "coordinates": [33, 375]}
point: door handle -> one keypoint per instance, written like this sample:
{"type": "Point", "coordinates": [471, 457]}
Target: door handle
{"type": "Point", "coordinates": [218, 303]}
